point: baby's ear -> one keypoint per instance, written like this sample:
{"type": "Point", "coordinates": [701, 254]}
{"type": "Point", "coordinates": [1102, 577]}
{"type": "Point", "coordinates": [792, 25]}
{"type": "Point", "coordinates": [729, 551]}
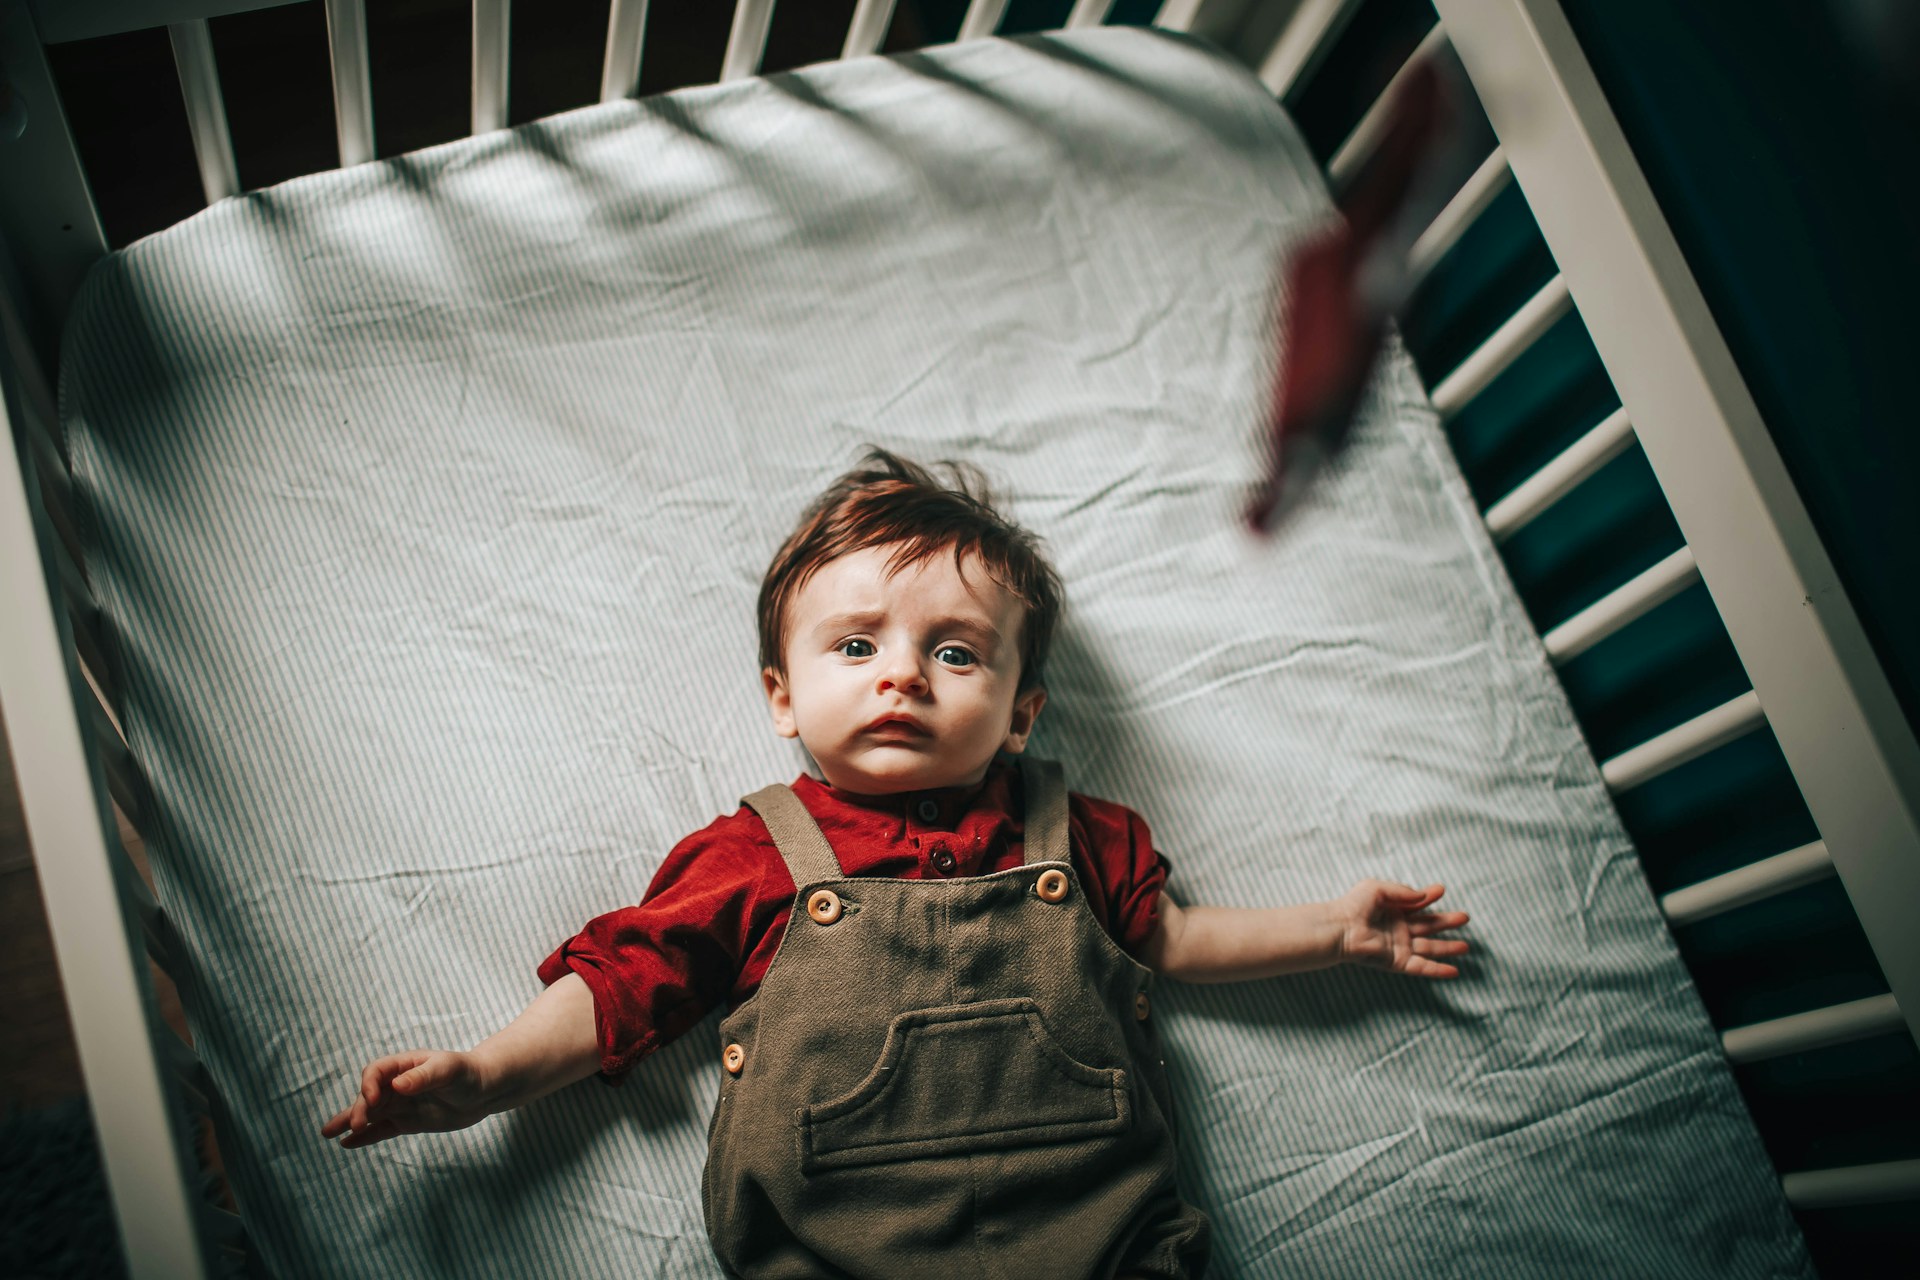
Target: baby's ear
{"type": "Point", "coordinates": [1026, 709]}
{"type": "Point", "coordinates": [779, 703]}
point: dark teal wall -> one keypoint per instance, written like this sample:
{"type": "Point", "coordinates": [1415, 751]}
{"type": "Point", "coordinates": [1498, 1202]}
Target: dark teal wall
{"type": "Point", "coordinates": [1789, 168]}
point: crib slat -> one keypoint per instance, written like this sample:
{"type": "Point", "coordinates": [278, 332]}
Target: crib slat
{"type": "Point", "coordinates": [1479, 191]}
{"type": "Point", "coordinates": [1814, 1029]}
{"type": "Point", "coordinates": [155, 932]}
{"type": "Point", "coordinates": [1748, 884]}
{"type": "Point", "coordinates": [871, 18]}
{"type": "Point", "coordinates": [189, 1073]}
{"type": "Point", "coordinates": [1366, 135]}
{"type": "Point", "coordinates": [491, 21]}
{"type": "Point", "coordinates": [352, 80]}
{"type": "Point", "coordinates": [56, 485]}
{"type": "Point", "coordinates": [83, 615]}
{"type": "Point", "coordinates": [1622, 605]}
{"type": "Point", "coordinates": [123, 779]}
{"type": "Point", "coordinates": [1303, 42]}
{"type": "Point", "coordinates": [1089, 13]}
{"type": "Point", "coordinates": [747, 41]}
{"type": "Point", "coordinates": [626, 36]}
{"type": "Point", "coordinates": [1683, 742]}
{"type": "Point", "coordinates": [1178, 15]}
{"type": "Point", "coordinates": [1509, 341]}
{"type": "Point", "coordinates": [99, 693]}
{"type": "Point", "coordinates": [206, 111]}
{"type": "Point", "coordinates": [42, 410]}
{"type": "Point", "coordinates": [1561, 476]}
{"type": "Point", "coordinates": [983, 19]}
{"type": "Point", "coordinates": [56, 490]}
{"type": "Point", "coordinates": [94, 924]}
{"type": "Point", "coordinates": [1857, 1184]}
{"type": "Point", "coordinates": [89, 649]}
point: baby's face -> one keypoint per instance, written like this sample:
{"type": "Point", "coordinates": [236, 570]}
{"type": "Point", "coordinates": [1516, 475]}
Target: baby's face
{"type": "Point", "coordinates": [903, 681]}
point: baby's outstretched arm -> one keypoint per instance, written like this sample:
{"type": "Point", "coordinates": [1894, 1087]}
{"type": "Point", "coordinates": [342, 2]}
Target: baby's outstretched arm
{"type": "Point", "coordinates": [550, 1045]}
{"type": "Point", "coordinates": [1376, 923]}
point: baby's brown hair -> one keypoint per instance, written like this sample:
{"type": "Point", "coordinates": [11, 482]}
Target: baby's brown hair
{"type": "Point", "coordinates": [887, 499]}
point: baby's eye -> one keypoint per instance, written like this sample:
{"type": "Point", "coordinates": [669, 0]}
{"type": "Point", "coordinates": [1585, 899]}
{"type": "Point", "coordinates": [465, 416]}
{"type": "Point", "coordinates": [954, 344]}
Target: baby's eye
{"type": "Point", "coordinates": [955, 655]}
{"type": "Point", "coordinates": [857, 648]}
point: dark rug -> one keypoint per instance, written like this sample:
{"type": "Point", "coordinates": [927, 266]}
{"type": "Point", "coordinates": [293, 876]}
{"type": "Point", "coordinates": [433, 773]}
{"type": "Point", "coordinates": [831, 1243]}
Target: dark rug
{"type": "Point", "coordinates": [56, 1221]}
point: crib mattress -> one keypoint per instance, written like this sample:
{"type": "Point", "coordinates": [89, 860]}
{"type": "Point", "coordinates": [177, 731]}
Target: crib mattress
{"type": "Point", "coordinates": [427, 502]}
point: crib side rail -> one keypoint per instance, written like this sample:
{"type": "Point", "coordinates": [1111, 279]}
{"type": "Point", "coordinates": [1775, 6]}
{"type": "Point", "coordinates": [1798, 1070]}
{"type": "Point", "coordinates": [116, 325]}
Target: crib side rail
{"type": "Point", "coordinates": [99, 920]}
{"type": "Point", "coordinates": [1825, 695]}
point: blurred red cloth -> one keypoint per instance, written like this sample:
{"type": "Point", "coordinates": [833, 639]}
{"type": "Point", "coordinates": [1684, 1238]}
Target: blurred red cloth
{"type": "Point", "coordinates": [1337, 294]}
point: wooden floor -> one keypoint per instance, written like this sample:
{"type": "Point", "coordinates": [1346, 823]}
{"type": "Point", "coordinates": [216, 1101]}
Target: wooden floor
{"type": "Point", "coordinates": [38, 1062]}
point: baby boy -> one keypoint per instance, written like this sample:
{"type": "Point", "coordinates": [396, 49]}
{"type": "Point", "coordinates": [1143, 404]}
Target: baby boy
{"type": "Point", "coordinates": [941, 1057]}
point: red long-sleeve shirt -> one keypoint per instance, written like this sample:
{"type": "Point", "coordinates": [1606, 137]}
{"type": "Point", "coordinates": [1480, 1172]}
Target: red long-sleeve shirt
{"type": "Point", "coordinates": [714, 915]}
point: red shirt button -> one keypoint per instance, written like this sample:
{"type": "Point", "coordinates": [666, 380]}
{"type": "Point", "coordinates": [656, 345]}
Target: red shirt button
{"type": "Point", "coordinates": [943, 860]}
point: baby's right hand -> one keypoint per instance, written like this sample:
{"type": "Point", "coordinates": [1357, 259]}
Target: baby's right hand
{"type": "Point", "coordinates": [419, 1091]}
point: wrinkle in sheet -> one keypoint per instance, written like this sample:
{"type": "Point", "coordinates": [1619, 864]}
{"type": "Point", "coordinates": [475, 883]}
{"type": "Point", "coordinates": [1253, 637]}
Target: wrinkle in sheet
{"type": "Point", "coordinates": [1479, 1158]}
{"type": "Point", "coordinates": [1318, 1180]}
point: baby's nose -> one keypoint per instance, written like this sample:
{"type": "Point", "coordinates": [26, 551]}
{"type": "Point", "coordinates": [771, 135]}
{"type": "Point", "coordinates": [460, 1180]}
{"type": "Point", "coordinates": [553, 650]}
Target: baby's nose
{"type": "Point", "coordinates": [904, 675]}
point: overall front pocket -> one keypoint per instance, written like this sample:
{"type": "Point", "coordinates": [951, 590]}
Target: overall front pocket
{"type": "Point", "coordinates": [967, 1077]}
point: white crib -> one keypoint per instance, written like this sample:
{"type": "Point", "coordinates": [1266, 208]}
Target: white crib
{"type": "Point", "coordinates": [1816, 684]}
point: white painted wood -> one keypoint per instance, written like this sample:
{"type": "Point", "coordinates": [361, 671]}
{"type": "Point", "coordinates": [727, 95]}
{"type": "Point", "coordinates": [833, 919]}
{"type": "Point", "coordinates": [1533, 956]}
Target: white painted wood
{"type": "Point", "coordinates": [123, 783]}
{"type": "Point", "coordinates": [747, 40]}
{"type": "Point", "coordinates": [1228, 22]}
{"type": "Point", "coordinates": [626, 37]}
{"type": "Point", "coordinates": [64, 20]}
{"type": "Point", "coordinates": [352, 80]}
{"type": "Point", "coordinates": [1651, 587]}
{"type": "Point", "coordinates": [868, 30]}
{"type": "Point", "coordinates": [38, 416]}
{"type": "Point", "coordinates": [1480, 190]}
{"type": "Point", "coordinates": [982, 20]}
{"type": "Point", "coordinates": [1303, 42]}
{"type": "Point", "coordinates": [32, 385]}
{"type": "Point", "coordinates": [1088, 13]}
{"type": "Point", "coordinates": [1831, 707]}
{"type": "Point", "coordinates": [492, 22]}
{"type": "Point", "coordinates": [1751, 883]}
{"type": "Point", "coordinates": [1688, 741]}
{"type": "Point", "coordinates": [1814, 1029]}
{"type": "Point", "coordinates": [1366, 135]}
{"type": "Point", "coordinates": [1858, 1184]}
{"type": "Point", "coordinates": [206, 111]}
{"type": "Point", "coordinates": [154, 933]}
{"type": "Point", "coordinates": [150, 1169]}
{"type": "Point", "coordinates": [1561, 476]}
{"type": "Point", "coordinates": [1521, 330]}
{"type": "Point", "coordinates": [1178, 15]}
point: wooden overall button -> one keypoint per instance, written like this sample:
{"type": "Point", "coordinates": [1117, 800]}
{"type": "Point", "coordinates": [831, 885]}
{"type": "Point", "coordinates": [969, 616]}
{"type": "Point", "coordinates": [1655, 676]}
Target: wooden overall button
{"type": "Point", "coordinates": [734, 1059]}
{"type": "Point", "coordinates": [824, 906]}
{"type": "Point", "coordinates": [1052, 885]}
{"type": "Point", "coordinates": [1141, 1006]}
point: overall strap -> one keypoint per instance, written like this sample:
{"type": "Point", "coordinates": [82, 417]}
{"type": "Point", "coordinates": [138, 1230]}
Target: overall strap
{"type": "Point", "coordinates": [1046, 823]}
{"type": "Point", "coordinates": [795, 834]}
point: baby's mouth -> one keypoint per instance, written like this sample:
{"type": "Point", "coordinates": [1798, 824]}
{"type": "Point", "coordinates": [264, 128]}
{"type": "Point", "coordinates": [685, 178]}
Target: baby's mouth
{"type": "Point", "coordinates": [898, 726]}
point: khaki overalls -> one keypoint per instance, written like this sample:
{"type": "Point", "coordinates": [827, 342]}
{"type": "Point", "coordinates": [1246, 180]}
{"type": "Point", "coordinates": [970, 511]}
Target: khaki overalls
{"type": "Point", "coordinates": [945, 1078]}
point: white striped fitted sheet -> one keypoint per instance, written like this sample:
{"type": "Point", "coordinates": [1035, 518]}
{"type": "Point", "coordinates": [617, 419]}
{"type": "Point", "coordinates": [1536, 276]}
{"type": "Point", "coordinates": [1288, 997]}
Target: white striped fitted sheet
{"type": "Point", "coordinates": [427, 502]}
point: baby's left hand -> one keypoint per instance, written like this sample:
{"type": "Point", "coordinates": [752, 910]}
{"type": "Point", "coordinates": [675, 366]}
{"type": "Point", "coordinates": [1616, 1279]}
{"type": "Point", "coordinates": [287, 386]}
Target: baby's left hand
{"type": "Point", "coordinates": [1387, 926]}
